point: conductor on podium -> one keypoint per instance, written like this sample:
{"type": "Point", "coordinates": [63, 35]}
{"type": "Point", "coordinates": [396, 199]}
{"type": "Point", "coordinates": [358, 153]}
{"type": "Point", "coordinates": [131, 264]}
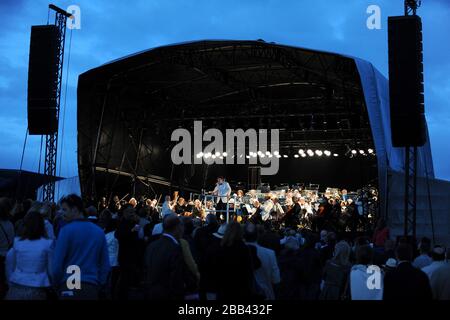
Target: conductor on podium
{"type": "Point", "coordinates": [223, 192]}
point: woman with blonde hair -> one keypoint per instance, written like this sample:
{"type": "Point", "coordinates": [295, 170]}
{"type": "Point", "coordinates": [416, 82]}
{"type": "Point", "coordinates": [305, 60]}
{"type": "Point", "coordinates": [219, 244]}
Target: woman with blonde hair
{"type": "Point", "coordinates": [336, 272]}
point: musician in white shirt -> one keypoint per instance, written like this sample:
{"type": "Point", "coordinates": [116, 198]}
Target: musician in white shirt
{"type": "Point", "coordinates": [271, 206]}
{"type": "Point", "coordinates": [223, 192]}
{"type": "Point", "coordinates": [305, 206]}
{"type": "Point", "coordinates": [167, 207]}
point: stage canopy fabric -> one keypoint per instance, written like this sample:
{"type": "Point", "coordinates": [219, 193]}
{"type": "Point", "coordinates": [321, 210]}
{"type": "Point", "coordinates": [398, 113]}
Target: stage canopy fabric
{"type": "Point", "coordinates": [63, 188]}
{"type": "Point", "coordinates": [319, 100]}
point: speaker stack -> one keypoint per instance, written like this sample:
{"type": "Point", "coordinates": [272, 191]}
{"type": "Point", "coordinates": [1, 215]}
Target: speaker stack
{"type": "Point", "coordinates": [406, 81]}
{"type": "Point", "coordinates": [43, 80]}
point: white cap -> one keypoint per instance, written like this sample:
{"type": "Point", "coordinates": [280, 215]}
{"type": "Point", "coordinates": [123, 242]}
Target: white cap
{"type": "Point", "coordinates": [157, 229]}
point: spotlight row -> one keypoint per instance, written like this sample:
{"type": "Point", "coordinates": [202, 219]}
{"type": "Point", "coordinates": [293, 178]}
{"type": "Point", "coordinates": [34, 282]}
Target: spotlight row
{"type": "Point", "coordinates": [301, 153]}
{"type": "Point", "coordinates": [311, 153]}
{"type": "Point", "coordinates": [362, 152]}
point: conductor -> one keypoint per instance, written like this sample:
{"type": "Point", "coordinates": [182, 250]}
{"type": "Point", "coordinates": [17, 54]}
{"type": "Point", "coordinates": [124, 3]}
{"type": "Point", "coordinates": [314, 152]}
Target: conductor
{"type": "Point", "coordinates": [223, 192]}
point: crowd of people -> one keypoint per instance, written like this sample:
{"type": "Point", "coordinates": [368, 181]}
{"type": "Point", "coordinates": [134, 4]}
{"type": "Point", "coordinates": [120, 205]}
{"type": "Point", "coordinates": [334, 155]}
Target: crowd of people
{"type": "Point", "coordinates": [137, 250]}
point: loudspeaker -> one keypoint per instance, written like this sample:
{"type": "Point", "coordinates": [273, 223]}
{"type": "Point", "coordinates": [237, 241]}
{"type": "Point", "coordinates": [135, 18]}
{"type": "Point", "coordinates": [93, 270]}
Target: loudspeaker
{"type": "Point", "coordinates": [43, 80]}
{"type": "Point", "coordinates": [406, 81]}
{"type": "Point", "coordinates": [254, 177]}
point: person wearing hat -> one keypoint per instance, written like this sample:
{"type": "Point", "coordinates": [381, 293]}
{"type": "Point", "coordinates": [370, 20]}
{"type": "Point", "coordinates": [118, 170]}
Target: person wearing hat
{"type": "Point", "coordinates": [221, 231]}
{"type": "Point", "coordinates": [438, 256]}
{"type": "Point", "coordinates": [390, 265]}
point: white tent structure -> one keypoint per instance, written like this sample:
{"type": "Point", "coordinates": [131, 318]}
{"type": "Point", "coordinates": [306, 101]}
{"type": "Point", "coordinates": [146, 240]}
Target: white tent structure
{"type": "Point", "coordinates": [62, 188]}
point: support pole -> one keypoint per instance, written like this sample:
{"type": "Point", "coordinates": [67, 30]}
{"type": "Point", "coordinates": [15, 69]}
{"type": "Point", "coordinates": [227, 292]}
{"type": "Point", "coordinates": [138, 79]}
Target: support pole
{"type": "Point", "coordinates": [51, 140]}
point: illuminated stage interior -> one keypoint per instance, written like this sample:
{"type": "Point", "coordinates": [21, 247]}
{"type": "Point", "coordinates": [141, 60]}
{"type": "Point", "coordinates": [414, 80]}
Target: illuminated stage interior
{"type": "Point", "coordinates": [127, 110]}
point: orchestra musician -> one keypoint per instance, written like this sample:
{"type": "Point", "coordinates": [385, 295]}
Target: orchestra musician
{"type": "Point", "coordinates": [223, 192]}
{"type": "Point", "coordinates": [133, 202]}
{"type": "Point", "coordinates": [197, 210]}
{"type": "Point", "coordinates": [102, 205]}
{"type": "Point", "coordinates": [255, 212]}
{"type": "Point", "coordinates": [272, 209]}
{"type": "Point", "coordinates": [168, 207]}
{"type": "Point", "coordinates": [293, 212]}
{"type": "Point", "coordinates": [152, 206]}
{"type": "Point", "coordinates": [252, 195]}
{"type": "Point", "coordinates": [181, 207]}
{"type": "Point", "coordinates": [239, 205]}
{"type": "Point", "coordinates": [344, 195]}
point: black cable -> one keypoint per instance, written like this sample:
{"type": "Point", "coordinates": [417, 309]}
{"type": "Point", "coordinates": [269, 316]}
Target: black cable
{"type": "Point", "coordinates": [39, 166]}
{"type": "Point", "coordinates": [40, 156]}
{"type": "Point", "coordinates": [21, 164]}
{"type": "Point", "coordinates": [429, 196]}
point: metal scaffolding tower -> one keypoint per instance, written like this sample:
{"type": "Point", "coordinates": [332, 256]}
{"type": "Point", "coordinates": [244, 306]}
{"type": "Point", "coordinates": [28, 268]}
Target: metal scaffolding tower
{"type": "Point", "coordinates": [51, 140]}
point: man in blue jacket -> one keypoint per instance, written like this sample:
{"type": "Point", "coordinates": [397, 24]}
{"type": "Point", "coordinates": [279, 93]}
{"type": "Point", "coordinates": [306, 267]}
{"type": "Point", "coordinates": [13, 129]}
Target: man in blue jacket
{"type": "Point", "coordinates": [80, 264]}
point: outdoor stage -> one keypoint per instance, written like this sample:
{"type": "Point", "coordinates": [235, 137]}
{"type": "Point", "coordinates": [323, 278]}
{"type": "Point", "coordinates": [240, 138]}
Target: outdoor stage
{"type": "Point", "coordinates": [128, 109]}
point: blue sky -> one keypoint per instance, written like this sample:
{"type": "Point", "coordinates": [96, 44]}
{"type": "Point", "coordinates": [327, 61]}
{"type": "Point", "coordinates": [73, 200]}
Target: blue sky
{"type": "Point", "coordinates": [112, 29]}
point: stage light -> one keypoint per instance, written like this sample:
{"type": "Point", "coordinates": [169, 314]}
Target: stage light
{"type": "Point", "coordinates": [268, 153]}
{"type": "Point", "coordinates": [200, 155]}
{"type": "Point", "coordinates": [278, 156]}
{"type": "Point", "coordinates": [370, 151]}
{"type": "Point", "coordinates": [319, 153]}
{"type": "Point", "coordinates": [262, 156]}
{"type": "Point", "coordinates": [225, 154]}
{"type": "Point", "coordinates": [276, 153]}
{"type": "Point", "coordinates": [354, 152]}
{"type": "Point", "coordinates": [301, 151]}
{"type": "Point", "coordinates": [303, 155]}
{"type": "Point", "coordinates": [213, 156]}
{"type": "Point", "coordinates": [254, 155]}
{"type": "Point", "coordinates": [335, 155]}
{"type": "Point", "coordinates": [208, 155]}
{"type": "Point", "coordinates": [217, 154]}
{"type": "Point", "coordinates": [260, 153]}
{"type": "Point", "coordinates": [221, 158]}
{"type": "Point", "coordinates": [310, 153]}
{"type": "Point", "coordinates": [327, 153]}
{"type": "Point", "coordinates": [248, 157]}
{"type": "Point", "coordinates": [361, 152]}
{"type": "Point", "coordinates": [285, 156]}
{"type": "Point", "coordinates": [296, 156]}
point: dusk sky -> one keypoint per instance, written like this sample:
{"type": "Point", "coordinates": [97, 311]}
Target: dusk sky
{"type": "Point", "coordinates": [112, 29]}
